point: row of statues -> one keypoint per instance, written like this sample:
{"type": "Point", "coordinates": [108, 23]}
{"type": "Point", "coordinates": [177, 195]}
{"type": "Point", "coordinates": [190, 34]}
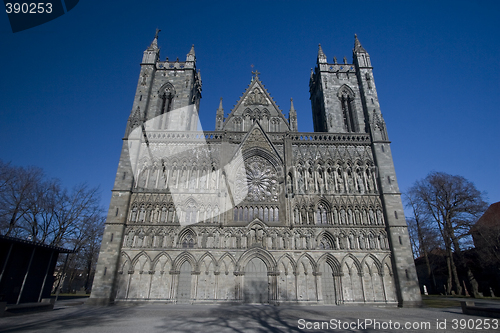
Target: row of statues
{"type": "Point", "coordinates": [338, 181]}
{"type": "Point", "coordinates": [243, 238]}
{"type": "Point", "coordinates": [321, 214]}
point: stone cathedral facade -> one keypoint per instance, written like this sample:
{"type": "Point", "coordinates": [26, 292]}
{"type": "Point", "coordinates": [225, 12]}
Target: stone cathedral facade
{"type": "Point", "coordinates": [256, 211]}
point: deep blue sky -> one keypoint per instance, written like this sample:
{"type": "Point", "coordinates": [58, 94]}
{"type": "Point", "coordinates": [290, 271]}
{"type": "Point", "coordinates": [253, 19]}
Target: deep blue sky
{"type": "Point", "coordinates": [67, 86]}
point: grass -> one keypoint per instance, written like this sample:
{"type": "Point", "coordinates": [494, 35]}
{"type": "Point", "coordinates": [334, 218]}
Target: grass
{"type": "Point", "coordinates": [438, 302]}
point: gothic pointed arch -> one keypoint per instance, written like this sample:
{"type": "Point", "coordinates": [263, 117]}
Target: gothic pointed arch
{"type": "Point", "coordinates": [375, 260]}
{"type": "Point", "coordinates": [229, 256]}
{"type": "Point", "coordinates": [260, 253]}
{"type": "Point", "coordinates": [158, 257]}
{"type": "Point", "coordinates": [325, 241]}
{"type": "Point", "coordinates": [346, 96]}
{"type": "Point", "coordinates": [187, 238]}
{"type": "Point", "coordinates": [287, 256]}
{"type": "Point", "coordinates": [333, 262]}
{"type": "Point", "coordinates": [308, 258]}
{"type": "Point", "coordinates": [146, 265]}
{"type": "Point", "coordinates": [125, 263]}
{"type": "Point", "coordinates": [355, 261]}
{"type": "Point", "coordinates": [387, 265]}
{"type": "Point", "coordinates": [183, 257]}
{"type": "Point", "coordinates": [212, 260]}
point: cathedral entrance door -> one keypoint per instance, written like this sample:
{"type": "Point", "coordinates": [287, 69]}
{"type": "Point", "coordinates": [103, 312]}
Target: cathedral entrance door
{"type": "Point", "coordinates": [184, 286]}
{"type": "Point", "coordinates": [327, 284]}
{"type": "Point", "coordinates": [256, 286]}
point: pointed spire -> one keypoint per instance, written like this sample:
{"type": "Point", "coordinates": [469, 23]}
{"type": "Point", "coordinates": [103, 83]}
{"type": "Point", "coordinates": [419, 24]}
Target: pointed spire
{"type": "Point", "coordinates": [292, 117]}
{"type": "Point", "coordinates": [360, 57]}
{"type": "Point", "coordinates": [321, 55]}
{"type": "Point", "coordinates": [191, 56]}
{"type": "Point", "coordinates": [357, 45]}
{"type": "Point", "coordinates": [152, 53]}
{"type": "Point", "coordinates": [292, 109]}
{"type": "Point", "coordinates": [219, 118]}
{"type": "Point", "coordinates": [220, 106]}
{"type": "Point", "coordinates": [154, 43]}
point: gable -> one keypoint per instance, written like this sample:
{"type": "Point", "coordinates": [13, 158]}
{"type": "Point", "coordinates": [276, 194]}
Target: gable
{"type": "Point", "coordinates": [256, 105]}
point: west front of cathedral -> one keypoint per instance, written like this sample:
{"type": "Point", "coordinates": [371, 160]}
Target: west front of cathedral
{"type": "Point", "coordinates": [255, 211]}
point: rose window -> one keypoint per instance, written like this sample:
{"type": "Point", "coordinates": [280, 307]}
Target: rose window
{"type": "Point", "coordinates": [259, 179]}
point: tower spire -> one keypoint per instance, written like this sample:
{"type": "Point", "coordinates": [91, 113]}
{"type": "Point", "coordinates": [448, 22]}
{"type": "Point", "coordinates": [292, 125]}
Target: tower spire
{"type": "Point", "coordinates": [191, 57]}
{"type": "Point", "coordinates": [360, 57]}
{"type": "Point", "coordinates": [152, 53]}
{"type": "Point", "coordinates": [357, 45]}
{"type": "Point", "coordinates": [321, 55]}
{"type": "Point", "coordinates": [154, 43]}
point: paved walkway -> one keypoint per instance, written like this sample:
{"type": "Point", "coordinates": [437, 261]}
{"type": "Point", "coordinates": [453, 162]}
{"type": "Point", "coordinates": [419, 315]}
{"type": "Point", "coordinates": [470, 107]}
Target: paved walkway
{"type": "Point", "coordinates": [73, 316]}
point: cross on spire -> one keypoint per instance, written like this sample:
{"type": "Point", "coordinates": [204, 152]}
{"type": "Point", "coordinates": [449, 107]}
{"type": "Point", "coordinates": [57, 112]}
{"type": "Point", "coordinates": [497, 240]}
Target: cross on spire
{"type": "Point", "coordinates": [256, 73]}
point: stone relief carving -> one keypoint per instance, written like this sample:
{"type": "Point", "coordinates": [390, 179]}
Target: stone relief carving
{"type": "Point", "coordinates": [260, 181]}
{"type": "Point", "coordinates": [256, 97]}
{"type": "Point", "coordinates": [276, 238]}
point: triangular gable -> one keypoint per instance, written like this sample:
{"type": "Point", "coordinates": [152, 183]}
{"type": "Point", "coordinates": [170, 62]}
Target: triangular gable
{"type": "Point", "coordinates": [257, 101]}
{"type": "Point", "coordinates": [256, 137]}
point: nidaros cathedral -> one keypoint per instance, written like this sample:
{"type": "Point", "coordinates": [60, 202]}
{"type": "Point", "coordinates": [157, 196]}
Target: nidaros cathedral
{"type": "Point", "coordinates": [255, 211]}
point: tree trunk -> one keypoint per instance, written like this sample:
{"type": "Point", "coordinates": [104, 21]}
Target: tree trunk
{"type": "Point", "coordinates": [449, 279]}
{"type": "Point", "coordinates": [455, 273]}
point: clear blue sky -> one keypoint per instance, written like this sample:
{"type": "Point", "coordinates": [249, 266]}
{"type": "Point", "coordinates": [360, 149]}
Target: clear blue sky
{"type": "Point", "coordinates": [67, 86]}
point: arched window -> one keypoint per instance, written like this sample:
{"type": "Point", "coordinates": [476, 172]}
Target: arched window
{"type": "Point", "coordinates": [346, 96]}
{"type": "Point", "coordinates": [191, 213]}
{"type": "Point", "coordinates": [321, 215]}
{"type": "Point", "coordinates": [188, 241]}
{"type": "Point", "coordinates": [325, 244]}
{"type": "Point", "coordinates": [167, 98]}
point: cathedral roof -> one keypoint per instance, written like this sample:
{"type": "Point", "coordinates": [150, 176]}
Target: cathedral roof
{"type": "Point", "coordinates": [256, 97]}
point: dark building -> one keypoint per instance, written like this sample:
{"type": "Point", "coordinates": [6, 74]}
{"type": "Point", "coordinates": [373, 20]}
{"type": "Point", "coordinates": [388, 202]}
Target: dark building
{"type": "Point", "coordinates": [27, 270]}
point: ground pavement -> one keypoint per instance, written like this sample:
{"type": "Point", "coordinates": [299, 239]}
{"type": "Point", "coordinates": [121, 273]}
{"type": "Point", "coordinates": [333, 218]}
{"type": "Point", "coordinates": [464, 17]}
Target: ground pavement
{"type": "Point", "coordinates": [74, 316]}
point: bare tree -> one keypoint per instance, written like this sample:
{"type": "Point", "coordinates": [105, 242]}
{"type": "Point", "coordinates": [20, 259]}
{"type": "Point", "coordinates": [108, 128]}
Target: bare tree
{"type": "Point", "coordinates": [454, 204]}
{"type": "Point", "coordinates": [423, 234]}
{"type": "Point", "coordinates": [16, 184]}
{"type": "Point", "coordinates": [39, 209]}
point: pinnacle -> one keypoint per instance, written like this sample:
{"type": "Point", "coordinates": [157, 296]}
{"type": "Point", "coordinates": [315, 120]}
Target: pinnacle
{"type": "Point", "coordinates": [292, 109]}
{"type": "Point", "coordinates": [321, 55]}
{"type": "Point", "coordinates": [357, 45]}
{"type": "Point", "coordinates": [154, 43]}
{"type": "Point", "coordinates": [220, 105]}
{"type": "Point", "coordinates": [320, 50]}
{"type": "Point", "coordinates": [192, 50]}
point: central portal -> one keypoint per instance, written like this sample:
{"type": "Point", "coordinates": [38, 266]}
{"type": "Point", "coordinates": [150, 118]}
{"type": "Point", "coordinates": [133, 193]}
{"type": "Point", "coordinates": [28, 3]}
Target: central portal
{"type": "Point", "coordinates": [256, 285]}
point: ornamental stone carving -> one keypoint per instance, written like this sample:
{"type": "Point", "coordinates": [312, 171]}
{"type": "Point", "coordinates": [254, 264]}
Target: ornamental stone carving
{"type": "Point", "coordinates": [260, 179]}
{"type": "Point", "coordinates": [256, 97]}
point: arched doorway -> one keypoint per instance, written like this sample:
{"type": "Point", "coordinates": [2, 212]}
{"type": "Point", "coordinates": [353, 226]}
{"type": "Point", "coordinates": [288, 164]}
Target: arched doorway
{"type": "Point", "coordinates": [256, 282]}
{"type": "Point", "coordinates": [328, 284]}
{"type": "Point", "coordinates": [184, 286]}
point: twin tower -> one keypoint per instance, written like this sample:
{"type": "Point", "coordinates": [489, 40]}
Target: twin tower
{"type": "Point", "coordinates": [255, 211]}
